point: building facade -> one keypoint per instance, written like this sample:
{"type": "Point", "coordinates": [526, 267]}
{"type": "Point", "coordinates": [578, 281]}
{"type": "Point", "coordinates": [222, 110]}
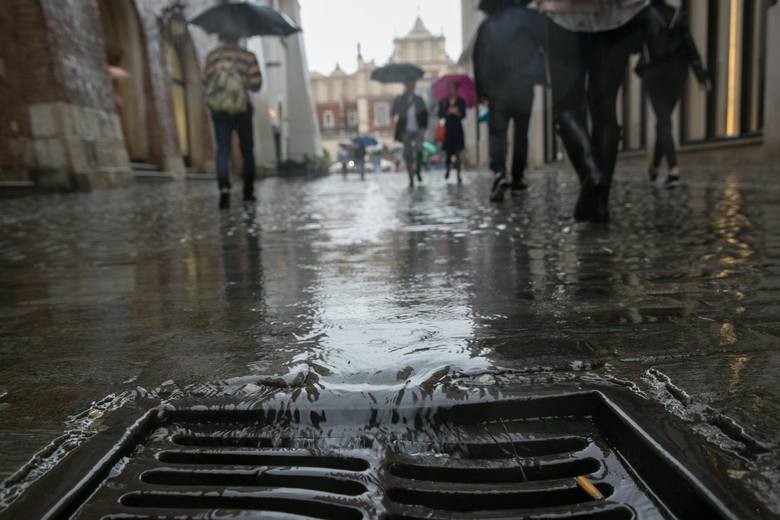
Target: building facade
{"type": "Point", "coordinates": [286, 126]}
{"type": "Point", "coordinates": [349, 104]}
{"type": "Point", "coordinates": [96, 88]}
{"type": "Point", "coordinates": [733, 124]}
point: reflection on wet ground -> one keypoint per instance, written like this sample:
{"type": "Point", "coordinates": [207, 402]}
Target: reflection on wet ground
{"type": "Point", "coordinates": [369, 283]}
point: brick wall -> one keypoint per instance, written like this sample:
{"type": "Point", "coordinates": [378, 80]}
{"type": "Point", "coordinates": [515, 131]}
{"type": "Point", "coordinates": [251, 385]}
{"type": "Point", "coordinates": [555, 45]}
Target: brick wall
{"type": "Point", "coordinates": [26, 74]}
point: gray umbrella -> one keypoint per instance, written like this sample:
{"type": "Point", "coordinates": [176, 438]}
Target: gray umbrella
{"type": "Point", "coordinates": [397, 73]}
{"type": "Point", "coordinates": [244, 20]}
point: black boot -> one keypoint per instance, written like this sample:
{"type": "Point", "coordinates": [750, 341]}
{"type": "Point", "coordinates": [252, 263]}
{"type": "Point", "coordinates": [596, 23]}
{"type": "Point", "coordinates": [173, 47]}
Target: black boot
{"type": "Point", "coordinates": [573, 133]}
{"type": "Point", "coordinates": [224, 199]}
{"type": "Point", "coordinates": [517, 184]}
{"type": "Point", "coordinates": [500, 185]}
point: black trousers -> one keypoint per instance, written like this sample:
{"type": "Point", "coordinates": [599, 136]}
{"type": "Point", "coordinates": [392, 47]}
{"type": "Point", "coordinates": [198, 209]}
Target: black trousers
{"type": "Point", "coordinates": [224, 126]}
{"type": "Point", "coordinates": [587, 71]}
{"type": "Point", "coordinates": [501, 114]}
{"type": "Point", "coordinates": [665, 84]}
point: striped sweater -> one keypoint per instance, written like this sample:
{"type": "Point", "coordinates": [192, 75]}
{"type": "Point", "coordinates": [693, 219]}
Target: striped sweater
{"type": "Point", "coordinates": [244, 61]}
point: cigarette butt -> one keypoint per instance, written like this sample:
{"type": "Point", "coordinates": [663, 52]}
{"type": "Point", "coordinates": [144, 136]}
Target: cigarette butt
{"type": "Point", "coordinates": [587, 486]}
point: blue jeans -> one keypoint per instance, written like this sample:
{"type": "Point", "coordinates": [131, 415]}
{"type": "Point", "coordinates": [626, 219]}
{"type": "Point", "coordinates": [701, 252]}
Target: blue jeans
{"type": "Point", "coordinates": [224, 126]}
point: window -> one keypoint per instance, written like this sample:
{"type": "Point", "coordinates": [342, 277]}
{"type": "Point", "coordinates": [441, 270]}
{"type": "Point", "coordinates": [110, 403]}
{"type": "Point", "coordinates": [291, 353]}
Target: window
{"type": "Point", "coordinates": [731, 36]}
{"type": "Point", "coordinates": [328, 119]}
{"type": "Point", "coordinates": [381, 114]}
{"type": "Point", "coordinates": [352, 119]}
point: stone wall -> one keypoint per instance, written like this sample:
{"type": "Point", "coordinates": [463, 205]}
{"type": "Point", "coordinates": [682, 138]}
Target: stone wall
{"type": "Point", "coordinates": [59, 127]}
{"type": "Point", "coordinates": [772, 92]}
{"type": "Point", "coordinates": [59, 124]}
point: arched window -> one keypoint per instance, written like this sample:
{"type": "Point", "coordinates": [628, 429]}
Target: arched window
{"type": "Point", "coordinates": [328, 119]}
{"type": "Point", "coordinates": [381, 114]}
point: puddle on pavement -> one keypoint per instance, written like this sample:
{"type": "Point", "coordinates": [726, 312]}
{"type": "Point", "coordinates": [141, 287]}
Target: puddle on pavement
{"type": "Point", "coordinates": [371, 285]}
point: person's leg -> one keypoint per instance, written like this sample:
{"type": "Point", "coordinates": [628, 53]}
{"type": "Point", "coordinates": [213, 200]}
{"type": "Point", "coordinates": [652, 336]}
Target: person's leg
{"type": "Point", "coordinates": [678, 73]}
{"type": "Point", "coordinates": [522, 120]}
{"type": "Point", "coordinates": [663, 123]}
{"type": "Point", "coordinates": [418, 153]}
{"type": "Point", "coordinates": [567, 68]}
{"type": "Point", "coordinates": [222, 133]}
{"type": "Point", "coordinates": [607, 61]}
{"type": "Point", "coordinates": [245, 131]}
{"type": "Point", "coordinates": [498, 126]}
{"type": "Point", "coordinates": [409, 154]}
{"type": "Point", "coordinates": [458, 167]}
{"type": "Point", "coordinates": [447, 165]}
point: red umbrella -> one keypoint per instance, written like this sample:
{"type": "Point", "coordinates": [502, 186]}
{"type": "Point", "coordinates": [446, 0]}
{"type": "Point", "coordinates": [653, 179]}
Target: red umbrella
{"type": "Point", "coordinates": [466, 88]}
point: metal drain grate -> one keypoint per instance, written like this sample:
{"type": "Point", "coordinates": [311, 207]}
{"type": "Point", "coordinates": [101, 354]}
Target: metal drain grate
{"type": "Point", "coordinates": [500, 460]}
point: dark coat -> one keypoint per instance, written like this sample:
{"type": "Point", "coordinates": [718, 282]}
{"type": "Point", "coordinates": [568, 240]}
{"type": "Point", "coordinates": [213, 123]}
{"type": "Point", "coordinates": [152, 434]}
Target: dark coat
{"type": "Point", "coordinates": [401, 109]}
{"type": "Point", "coordinates": [455, 140]}
{"type": "Point", "coordinates": [668, 40]}
{"type": "Point", "coordinates": [508, 54]}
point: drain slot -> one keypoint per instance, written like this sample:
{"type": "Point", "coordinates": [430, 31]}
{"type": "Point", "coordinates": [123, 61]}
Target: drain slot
{"type": "Point", "coordinates": [605, 512]}
{"type": "Point", "coordinates": [229, 441]}
{"type": "Point", "coordinates": [260, 478]}
{"type": "Point", "coordinates": [514, 473]}
{"type": "Point", "coordinates": [490, 501]}
{"type": "Point", "coordinates": [168, 500]}
{"type": "Point", "coordinates": [232, 458]}
{"type": "Point", "coordinates": [526, 448]}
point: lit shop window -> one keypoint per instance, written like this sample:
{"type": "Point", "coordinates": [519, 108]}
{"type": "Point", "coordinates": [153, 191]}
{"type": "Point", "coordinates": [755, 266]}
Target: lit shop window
{"type": "Point", "coordinates": [731, 36]}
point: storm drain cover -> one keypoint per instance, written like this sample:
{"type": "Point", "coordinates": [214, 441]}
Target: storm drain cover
{"type": "Point", "coordinates": [561, 456]}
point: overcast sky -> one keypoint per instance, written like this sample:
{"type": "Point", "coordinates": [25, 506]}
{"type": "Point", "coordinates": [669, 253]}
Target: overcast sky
{"type": "Point", "coordinates": [333, 28]}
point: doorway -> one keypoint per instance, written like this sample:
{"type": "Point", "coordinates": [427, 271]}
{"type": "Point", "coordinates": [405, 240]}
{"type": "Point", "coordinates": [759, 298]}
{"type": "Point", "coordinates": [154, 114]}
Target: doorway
{"type": "Point", "coordinates": [126, 56]}
{"type": "Point", "coordinates": [187, 101]}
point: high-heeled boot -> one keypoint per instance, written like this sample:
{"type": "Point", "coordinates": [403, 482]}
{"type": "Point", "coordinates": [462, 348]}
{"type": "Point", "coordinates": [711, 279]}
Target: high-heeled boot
{"type": "Point", "coordinates": [572, 130]}
{"type": "Point", "coordinates": [606, 140]}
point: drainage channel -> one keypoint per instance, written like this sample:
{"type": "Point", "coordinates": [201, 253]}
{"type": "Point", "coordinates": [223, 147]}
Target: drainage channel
{"type": "Point", "coordinates": [574, 455]}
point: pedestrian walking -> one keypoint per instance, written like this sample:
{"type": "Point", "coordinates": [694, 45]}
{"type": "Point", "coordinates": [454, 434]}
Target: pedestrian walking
{"type": "Point", "coordinates": [589, 43]}
{"type": "Point", "coordinates": [667, 53]}
{"type": "Point", "coordinates": [360, 159]}
{"type": "Point", "coordinates": [411, 121]}
{"type": "Point", "coordinates": [231, 73]}
{"type": "Point", "coordinates": [343, 157]}
{"type": "Point", "coordinates": [452, 110]}
{"type": "Point", "coordinates": [508, 62]}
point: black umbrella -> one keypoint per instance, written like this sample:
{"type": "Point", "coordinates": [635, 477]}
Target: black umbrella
{"type": "Point", "coordinates": [494, 6]}
{"type": "Point", "coordinates": [243, 20]}
{"type": "Point", "coordinates": [397, 73]}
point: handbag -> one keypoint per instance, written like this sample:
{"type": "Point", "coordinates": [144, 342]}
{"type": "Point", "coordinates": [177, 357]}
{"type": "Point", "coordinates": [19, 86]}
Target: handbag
{"type": "Point", "coordinates": [440, 134]}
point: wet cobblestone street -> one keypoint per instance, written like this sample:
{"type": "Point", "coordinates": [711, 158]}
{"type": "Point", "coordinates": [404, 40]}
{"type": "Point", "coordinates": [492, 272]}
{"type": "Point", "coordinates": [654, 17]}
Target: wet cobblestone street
{"type": "Point", "coordinates": [371, 283]}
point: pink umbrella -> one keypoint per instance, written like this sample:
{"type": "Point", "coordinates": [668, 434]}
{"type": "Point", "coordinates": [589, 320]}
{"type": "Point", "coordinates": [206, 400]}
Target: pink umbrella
{"type": "Point", "coordinates": [466, 88]}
